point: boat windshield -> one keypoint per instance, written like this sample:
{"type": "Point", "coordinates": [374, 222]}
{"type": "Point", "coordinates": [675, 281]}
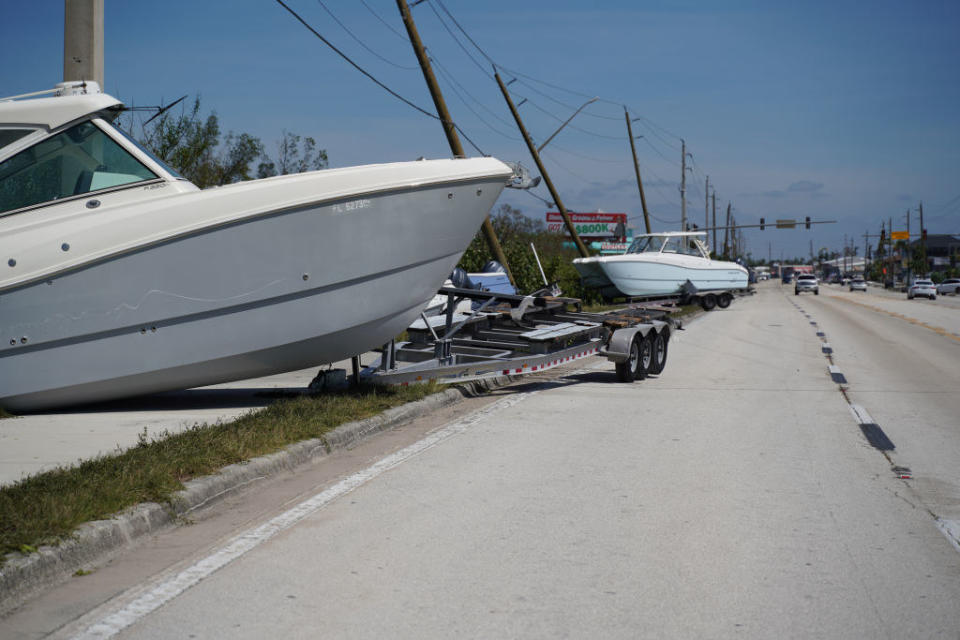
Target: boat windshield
{"type": "Point", "coordinates": [80, 160]}
{"type": "Point", "coordinates": [646, 244]}
{"type": "Point", "coordinates": [682, 244]}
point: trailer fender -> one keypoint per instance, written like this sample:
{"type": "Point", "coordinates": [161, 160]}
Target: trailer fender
{"type": "Point", "coordinates": [618, 347]}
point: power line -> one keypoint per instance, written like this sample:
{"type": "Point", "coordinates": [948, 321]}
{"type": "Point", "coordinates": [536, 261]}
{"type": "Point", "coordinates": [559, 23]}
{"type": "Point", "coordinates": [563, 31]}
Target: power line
{"type": "Point", "coordinates": [361, 42]}
{"type": "Point", "coordinates": [371, 77]}
{"type": "Point", "coordinates": [385, 23]}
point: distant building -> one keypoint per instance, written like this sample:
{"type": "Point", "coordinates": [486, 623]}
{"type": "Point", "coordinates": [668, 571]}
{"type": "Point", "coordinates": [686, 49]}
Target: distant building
{"type": "Point", "coordinates": [943, 250]}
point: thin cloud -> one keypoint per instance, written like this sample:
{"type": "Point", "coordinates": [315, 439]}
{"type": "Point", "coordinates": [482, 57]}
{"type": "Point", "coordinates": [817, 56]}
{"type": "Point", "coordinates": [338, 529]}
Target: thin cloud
{"type": "Point", "coordinates": [805, 186]}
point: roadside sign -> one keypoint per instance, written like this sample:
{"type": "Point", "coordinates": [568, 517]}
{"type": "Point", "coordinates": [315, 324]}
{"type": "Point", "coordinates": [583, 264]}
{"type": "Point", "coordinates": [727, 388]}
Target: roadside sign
{"type": "Point", "coordinates": [899, 235]}
{"type": "Point", "coordinates": [786, 224]}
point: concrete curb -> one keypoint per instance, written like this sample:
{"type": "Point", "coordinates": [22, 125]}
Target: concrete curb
{"type": "Point", "coordinates": [23, 576]}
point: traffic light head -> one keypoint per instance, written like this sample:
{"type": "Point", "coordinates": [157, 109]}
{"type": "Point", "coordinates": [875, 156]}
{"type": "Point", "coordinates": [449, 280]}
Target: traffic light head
{"type": "Point", "coordinates": [808, 222]}
{"type": "Point", "coordinates": [761, 224]}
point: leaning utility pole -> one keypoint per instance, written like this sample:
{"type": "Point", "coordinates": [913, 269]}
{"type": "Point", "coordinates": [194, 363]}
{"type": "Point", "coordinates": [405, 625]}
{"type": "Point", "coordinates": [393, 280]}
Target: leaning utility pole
{"type": "Point", "coordinates": [543, 171]}
{"type": "Point", "coordinates": [448, 125]}
{"type": "Point", "coordinates": [83, 40]}
{"type": "Point", "coordinates": [683, 185]}
{"type": "Point", "coordinates": [636, 168]}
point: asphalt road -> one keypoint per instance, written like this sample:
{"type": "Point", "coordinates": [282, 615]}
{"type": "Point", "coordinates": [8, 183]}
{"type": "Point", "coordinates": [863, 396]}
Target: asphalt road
{"type": "Point", "coordinates": [736, 495]}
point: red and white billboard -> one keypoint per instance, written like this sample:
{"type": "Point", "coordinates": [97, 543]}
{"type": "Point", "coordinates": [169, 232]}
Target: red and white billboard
{"type": "Point", "coordinates": [589, 225]}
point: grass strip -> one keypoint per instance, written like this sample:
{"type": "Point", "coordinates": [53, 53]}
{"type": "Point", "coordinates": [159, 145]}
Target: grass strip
{"type": "Point", "coordinates": [48, 507]}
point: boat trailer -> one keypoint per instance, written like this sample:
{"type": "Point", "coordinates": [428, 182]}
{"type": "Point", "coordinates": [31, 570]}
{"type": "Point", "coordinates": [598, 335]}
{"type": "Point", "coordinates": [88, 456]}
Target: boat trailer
{"type": "Point", "coordinates": [505, 335]}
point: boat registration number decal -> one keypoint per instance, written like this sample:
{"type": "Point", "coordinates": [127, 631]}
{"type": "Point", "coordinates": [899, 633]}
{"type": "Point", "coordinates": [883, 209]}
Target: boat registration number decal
{"type": "Point", "coordinates": [353, 205]}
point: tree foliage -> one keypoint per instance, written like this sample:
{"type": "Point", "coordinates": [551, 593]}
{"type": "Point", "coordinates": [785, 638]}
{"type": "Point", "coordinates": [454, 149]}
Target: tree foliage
{"type": "Point", "coordinates": [294, 155]}
{"type": "Point", "coordinates": [191, 143]}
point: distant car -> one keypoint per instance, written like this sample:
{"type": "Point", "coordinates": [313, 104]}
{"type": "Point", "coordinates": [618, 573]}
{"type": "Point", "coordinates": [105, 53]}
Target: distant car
{"type": "Point", "coordinates": [806, 282]}
{"type": "Point", "coordinates": [858, 284]}
{"type": "Point", "coordinates": [924, 288]}
{"type": "Point", "coordinates": [787, 278]}
{"type": "Point", "coordinates": [950, 285]}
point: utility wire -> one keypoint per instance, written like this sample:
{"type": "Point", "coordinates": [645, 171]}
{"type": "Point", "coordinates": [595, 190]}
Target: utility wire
{"type": "Point", "coordinates": [372, 78]}
{"type": "Point", "coordinates": [385, 23]}
{"type": "Point", "coordinates": [453, 84]}
{"type": "Point", "coordinates": [361, 42]}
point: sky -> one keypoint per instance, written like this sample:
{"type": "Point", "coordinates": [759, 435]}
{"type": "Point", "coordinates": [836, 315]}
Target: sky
{"type": "Point", "coordinates": [838, 110]}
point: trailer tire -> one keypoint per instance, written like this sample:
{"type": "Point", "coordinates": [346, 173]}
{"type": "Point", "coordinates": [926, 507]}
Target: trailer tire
{"type": "Point", "coordinates": [626, 369]}
{"type": "Point", "coordinates": [659, 345]}
{"type": "Point", "coordinates": [645, 361]}
{"type": "Point", "coordinates": [708, 302]}
{"type": "Point", "coordinates": [724, 300]}
{"type": "Point", "coordinates": [633, 368]}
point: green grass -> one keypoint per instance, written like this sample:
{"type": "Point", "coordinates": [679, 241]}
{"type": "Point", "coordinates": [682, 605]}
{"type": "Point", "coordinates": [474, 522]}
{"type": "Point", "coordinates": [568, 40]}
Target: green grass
{"type": "Point", "coordinates": [4, 414]}
{"type": "Point", "coordinates": [48, 507]}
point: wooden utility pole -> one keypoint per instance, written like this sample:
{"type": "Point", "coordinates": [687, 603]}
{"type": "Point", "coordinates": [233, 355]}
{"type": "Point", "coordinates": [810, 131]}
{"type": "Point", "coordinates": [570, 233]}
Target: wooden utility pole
{"type": "Point", "coordinates": [923, 239]}
{"type": "Point", "coordinates": [636, 168]}
{"type": "Point", "coordinates": [726, 233]}
{"type": "Point", "coordinates": [683, 185]}
{"type": "Point", "coordinates": [713, 197]}
{"type": "Point", "coordinates": [448, 126]}
{"type": "Point", "coordinates": [706, 205]}
{"type": "Point", "coordinates": [83, 40]}
{"type": "Point", "coordinates": [543, 172]}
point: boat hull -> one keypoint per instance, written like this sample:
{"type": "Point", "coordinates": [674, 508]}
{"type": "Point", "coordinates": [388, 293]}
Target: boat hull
{"type": "Point", "coordinates": [635, 276]}
{"type": "Point", "coordinates": [288, 289]}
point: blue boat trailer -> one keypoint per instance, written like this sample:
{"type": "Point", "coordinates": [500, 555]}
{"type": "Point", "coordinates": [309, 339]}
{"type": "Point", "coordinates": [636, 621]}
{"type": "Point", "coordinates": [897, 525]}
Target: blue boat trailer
{"type": "Point", "coordinates": [507, 335]}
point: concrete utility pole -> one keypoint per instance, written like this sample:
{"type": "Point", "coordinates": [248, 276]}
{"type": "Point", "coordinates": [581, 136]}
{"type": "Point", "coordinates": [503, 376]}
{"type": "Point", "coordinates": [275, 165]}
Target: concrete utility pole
{"type": "Point", "coordinates": [543, 171]}
{"type": "Point", "coordinates": [83, 40]}
{"type": "Point", "coordinates": [448, 126]}
{"type": "Point", "coordinates": [636, 168]}
{"type": "Point", "coordinates": [683, 185]}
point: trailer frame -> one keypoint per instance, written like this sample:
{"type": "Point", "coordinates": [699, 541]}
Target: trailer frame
{"type": "Point", "coordinates": [507, 335]}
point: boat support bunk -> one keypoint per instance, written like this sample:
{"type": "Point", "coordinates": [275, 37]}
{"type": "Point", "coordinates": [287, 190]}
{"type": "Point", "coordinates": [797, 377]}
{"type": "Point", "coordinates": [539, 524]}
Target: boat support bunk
{"type": "Point", "coordinates": [505, 335]}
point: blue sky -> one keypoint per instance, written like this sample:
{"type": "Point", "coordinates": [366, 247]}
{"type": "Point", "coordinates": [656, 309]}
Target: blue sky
{"type": "Point", "coordinates": [837, 110]}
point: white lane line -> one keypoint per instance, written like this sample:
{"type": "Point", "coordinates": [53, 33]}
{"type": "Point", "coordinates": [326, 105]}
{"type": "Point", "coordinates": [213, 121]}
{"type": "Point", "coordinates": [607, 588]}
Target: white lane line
{"type": "Point", "coordinates": [951, 529]}
{"type": "Point", "coordinates": [860, 414]}
{"type": "Point", "coordinates": [167, 589]}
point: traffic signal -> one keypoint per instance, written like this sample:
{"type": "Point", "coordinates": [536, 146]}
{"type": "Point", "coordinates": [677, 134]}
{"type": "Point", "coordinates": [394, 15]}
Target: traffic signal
{"type": "Point", "coordinates": [923, 234]}
{"type": "Point", "coordinates": [761, 224]}
{"type": "Point", "coordinates": [808, 222]}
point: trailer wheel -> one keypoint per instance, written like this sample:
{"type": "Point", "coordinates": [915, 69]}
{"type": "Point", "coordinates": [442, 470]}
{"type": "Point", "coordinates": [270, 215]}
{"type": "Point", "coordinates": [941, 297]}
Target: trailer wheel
{"type": "Point", "coordinates": [724, 300]}
{"type": "Point", "coordinates": [645, 361]}
{"type": "Point", "coordinates": [626, 371]}
{"type": "Point", "coordinates": [635, 367]}
{"type": "Point", "coordinates": [708, 302]}
{"type": "Point", "coordinates": [659, 344]}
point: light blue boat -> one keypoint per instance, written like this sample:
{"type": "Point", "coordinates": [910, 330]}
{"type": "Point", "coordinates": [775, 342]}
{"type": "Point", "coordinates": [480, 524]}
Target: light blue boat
{"type": "Point", "coordinates": [659, 264]}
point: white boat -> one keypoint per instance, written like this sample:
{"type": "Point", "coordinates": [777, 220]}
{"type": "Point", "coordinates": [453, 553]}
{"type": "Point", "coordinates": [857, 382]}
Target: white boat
{"type": "Point", "coordinates": [118, 277]}
{"type": "Point", "coordinates": [659, 264]}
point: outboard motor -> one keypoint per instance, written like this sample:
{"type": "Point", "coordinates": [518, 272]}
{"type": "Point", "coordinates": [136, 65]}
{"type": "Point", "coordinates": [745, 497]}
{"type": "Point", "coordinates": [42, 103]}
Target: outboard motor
{"type": "Point", "coordinates": [460, 279]}
{"type": "Point", "coordinates": [492, 267]}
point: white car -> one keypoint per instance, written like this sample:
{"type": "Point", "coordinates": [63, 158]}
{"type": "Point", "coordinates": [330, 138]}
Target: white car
{"type": "Point", "coordinates": [858, 284]}
{"type": "Point", "coordinates": [923, 288]}
{"type": "Point", "coordinates": [806, 282]}
{"type": "Point", "coordinates": [950, 285]}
